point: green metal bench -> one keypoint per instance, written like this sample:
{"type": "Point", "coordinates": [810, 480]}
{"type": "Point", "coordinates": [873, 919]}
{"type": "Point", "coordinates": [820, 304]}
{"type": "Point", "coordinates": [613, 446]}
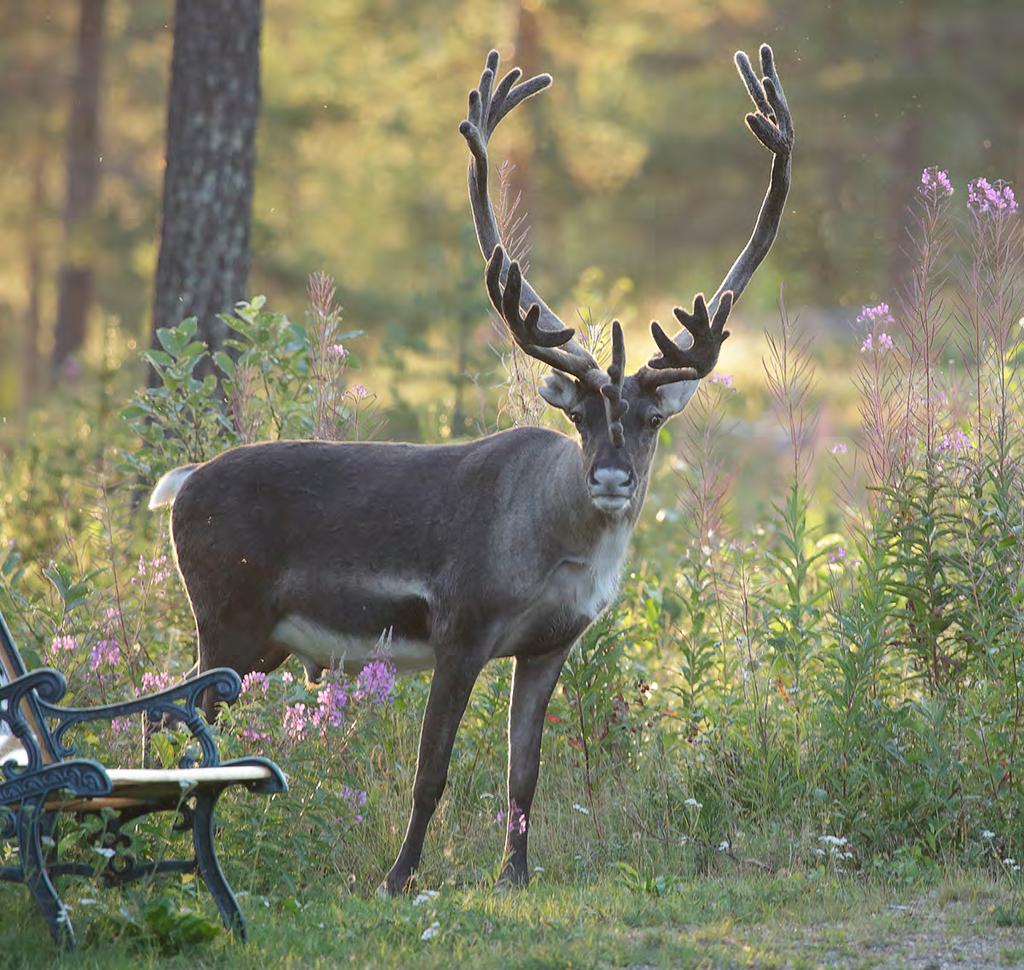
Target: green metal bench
{"type": "Point", "coordinates": [40, 778]}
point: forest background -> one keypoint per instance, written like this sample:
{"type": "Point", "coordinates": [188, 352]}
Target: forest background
{"type": "Point", "coordinates": [813, 674]}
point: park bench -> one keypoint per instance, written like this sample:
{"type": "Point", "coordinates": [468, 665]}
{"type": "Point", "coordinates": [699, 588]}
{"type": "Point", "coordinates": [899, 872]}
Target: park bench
{"type": "Point", "coordinates": [41, 779]}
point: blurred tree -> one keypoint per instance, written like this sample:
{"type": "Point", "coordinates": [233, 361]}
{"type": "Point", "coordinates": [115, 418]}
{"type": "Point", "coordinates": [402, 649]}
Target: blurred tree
{"type": "Point", "coordinates": [75, 295]}
{"type": "Point", "coordinates": [203, 267]}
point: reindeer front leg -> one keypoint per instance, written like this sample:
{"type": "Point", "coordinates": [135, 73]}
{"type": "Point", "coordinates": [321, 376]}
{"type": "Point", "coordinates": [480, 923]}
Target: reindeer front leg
{"type": "Point", "coordinates": [449, 693]}
{"type": "Point", "coordinates": [533, 681]}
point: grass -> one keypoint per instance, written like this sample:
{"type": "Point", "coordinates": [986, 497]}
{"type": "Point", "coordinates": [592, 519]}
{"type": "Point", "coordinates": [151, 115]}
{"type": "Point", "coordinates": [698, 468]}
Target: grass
{"type": "Point", "coordinates": [799, 920]}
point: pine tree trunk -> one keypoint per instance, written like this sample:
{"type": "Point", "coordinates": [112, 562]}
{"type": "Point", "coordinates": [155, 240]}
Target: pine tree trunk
{"type": "Point", "coordinates": [203, 265]}
{"type": "Point", "coordinates": [75, 285]}
{"type": "Point", "coordinates": [34, 282]}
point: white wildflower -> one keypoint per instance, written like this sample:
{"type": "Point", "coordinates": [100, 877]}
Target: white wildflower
{"type": "Point", "coordinates": [425, 897]}
{"type": "Point", "coordinates": [988, 834]}
{"type": "Point", "coordinates": [693, 803]}
{"type": "Point", "coordinates": [431, 931]}
{"type": "Point", "coordinates": [579, 808]}
{"type": "Point", "coordinates": [724, 846]}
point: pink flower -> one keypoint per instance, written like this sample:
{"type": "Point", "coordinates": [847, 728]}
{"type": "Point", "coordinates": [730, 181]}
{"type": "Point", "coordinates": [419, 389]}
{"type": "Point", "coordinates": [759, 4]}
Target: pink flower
{"type": "Point", "coordinates": [106, 653]}
{"type": "Point", "coordinates": [935, 183]}
{"type": "Point", "coordinates": [376, 681]}
{"type": "Point", "coordinates": [955, 442]}
{"type": "Point", "coordinates": [62, 644]}
{"type": "Point", "coordinates": [879, 313]}
{"type": "Point", "coordinates": [337, 350]}
{"type": "Point", "coordinates": [356, 799]}
{"type": "Point", "coordinates": [516, 819]}
{"type": "Point", "coordinates": [253, 680]}
{"type": "Point", "coordinates": [286, 677]}
{"type": "Point", "coordinates": [884, 343]}
{"type": "Point", "coordinates": [360, 392]}
{"type": "Point", "coordinates": [295, 722]}
{"type": "Point", "coordinates": [153, 682]}
{"type": "Point", "coordinates": [984, 197]}
{"type": "Point", "coordinates": [331, 701]}
{"type": "Point", "coordinates": [725, 380]}
{"type": "Point", "coordinates": [839, 449]}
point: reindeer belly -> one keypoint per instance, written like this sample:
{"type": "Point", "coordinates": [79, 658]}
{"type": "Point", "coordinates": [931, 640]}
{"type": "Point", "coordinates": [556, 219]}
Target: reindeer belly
{"type": "Point", "coordinates": [320, 647]}
{"type": "Point", "coordinates": [351, 622]}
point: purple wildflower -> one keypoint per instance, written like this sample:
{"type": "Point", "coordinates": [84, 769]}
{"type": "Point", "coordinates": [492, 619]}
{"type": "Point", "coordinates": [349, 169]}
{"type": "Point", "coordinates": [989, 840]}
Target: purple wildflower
{"type": "Point", "coordinates": [286, 677]}
{"type": "Point", "coordinates": [839, 449]}
{"type": "Point", "coordinates": [356, 799]}
{"type": "Point", "coordinates": [955, 442]}
{"type": "Point", "coordinates": [106, 653]}
{"type": "Point", "coordinates": [516, 819]}
{"type": "Point", "coordinates": [935, 183]}
{"type": "Point", "coordinates": [338, 350]}
{"type": "Point", "coordinates": [360, 392]}
{"type": "Point", "coordinates": [63, 644]}
{"type": "Point", "coordinates": [984, 197]}
{"type": "Point", "coordinates": [839, 555]}
{"type": "Point", "coordinates": [376, 681]}
{"type": "Point", "coordinates": [724, 380]}
{"type": "Point", "coordinates": [152, 682]}
{"type": "Point", "coordinates": [331, 701]}
{"type": "Point", "coordinates": [879, 313]}
{"type": "Point", "coordinates": [296, 721]}
{"type": "Point", "coordinates": [253, 680]}
{"type": "Point", "coordinates": [885, 342]}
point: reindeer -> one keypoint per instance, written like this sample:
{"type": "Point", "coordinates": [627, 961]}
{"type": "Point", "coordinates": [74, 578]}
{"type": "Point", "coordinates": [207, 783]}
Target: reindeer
{"type": "Point", "coordinates": [508, 546]}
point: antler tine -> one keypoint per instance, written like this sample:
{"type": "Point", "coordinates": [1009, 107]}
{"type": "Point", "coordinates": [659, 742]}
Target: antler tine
{"type": "Point", "coordinates": [548, 346]}
{"type": "Point", "coordinates": [488, 104]}
{"type": "Point", "coordinates": [697, 343]}
{"type": "Point", "coordinates": [772, 125]}
{"type": "Point", "coordinates": [614, 405]}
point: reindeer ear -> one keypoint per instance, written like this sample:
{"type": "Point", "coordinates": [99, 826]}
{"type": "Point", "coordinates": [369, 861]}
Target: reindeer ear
{"type": "Point", "coordinates": [672, 398]}
{"type": "Point", "coordinates": [560, 391]}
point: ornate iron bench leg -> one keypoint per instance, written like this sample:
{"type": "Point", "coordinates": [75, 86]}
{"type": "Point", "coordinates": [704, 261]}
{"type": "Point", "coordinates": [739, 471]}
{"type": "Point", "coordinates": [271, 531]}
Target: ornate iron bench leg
{"type": "Point", "coordinates": [209, 865]}
{"type": "Point", "coordinates": [31, 823]}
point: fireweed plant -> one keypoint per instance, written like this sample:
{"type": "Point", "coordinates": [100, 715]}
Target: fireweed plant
{"type": "Point", "coordinates": [835, 685]}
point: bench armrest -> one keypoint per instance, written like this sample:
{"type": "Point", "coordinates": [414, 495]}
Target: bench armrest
{"type": "Point", "coordinates": [84, 777]}
{"type": "Point", "coordinates": [21, 720]}
{"type": "Point", "coordinates": [48, 683]}
{"type": "Point", "coordinates": [178, 703]}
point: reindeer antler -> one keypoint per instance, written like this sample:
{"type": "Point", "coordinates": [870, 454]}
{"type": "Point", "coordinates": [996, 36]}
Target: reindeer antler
{"type": "Point", "coordinates": [556, 348]}
{"type": "Point", "coordinates": [698, 343]}
{"type": "Point", "coordinates": [615, 407]}
{"type": "Point", "coordinates": [487, 106]}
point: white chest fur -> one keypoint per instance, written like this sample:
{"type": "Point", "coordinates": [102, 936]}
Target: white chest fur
{"type": "Point", "coordinates": [597, 582]}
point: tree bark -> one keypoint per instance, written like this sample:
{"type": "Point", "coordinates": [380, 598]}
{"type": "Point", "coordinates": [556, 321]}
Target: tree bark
{"type": "Point", "coordinates": [75, 285]}
{"type": "Point", "coordinates": [34, 283]}
{"type": "Point", "coordinates": [214, 104]}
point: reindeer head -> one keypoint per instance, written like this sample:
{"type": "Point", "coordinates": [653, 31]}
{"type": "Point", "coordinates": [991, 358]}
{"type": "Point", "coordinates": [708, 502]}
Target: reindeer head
{"type": "Point", "coordinates": [618, 417]}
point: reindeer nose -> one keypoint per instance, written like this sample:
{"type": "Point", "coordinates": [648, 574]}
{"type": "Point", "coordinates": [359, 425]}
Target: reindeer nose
{"type": "Point", "coordinates": [611, 479]}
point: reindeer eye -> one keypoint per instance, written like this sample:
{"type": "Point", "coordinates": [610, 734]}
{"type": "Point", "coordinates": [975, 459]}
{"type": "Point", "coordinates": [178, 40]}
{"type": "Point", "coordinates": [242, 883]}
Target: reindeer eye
{"type": "Point", "coordinates": [576, 418]}
{"type": "Point", "coordinates": [656, 420]}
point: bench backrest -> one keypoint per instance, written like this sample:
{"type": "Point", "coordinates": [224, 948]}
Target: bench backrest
{"type": "Point", "coordinates": [11, 668]}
